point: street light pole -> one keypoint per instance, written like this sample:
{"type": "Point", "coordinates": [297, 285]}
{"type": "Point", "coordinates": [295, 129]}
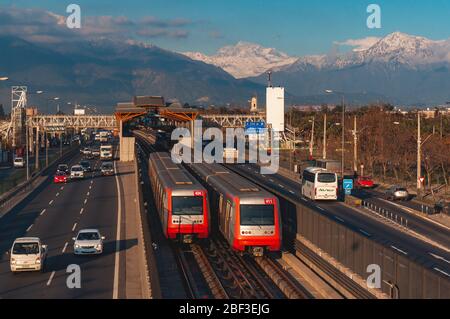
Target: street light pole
{"type": "Point", "coordinates": [343, 136]}
{"type": "Point", "coordinates": [324, 151]}
{"type": "Point", "coordinates": [355, 147]}
{"type": "Point", "coordinates": [419, 156]}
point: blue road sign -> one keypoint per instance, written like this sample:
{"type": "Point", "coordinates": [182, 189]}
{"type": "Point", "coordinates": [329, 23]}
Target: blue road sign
{"type": "Point", "coordinates": [255, 127]}
{"type": "Point", "coordinates": [348, 184]}
{"type": "Point", "coordinates": [348, 192]}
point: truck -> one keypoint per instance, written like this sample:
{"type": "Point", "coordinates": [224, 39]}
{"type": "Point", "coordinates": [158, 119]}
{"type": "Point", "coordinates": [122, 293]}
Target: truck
{"type": "Point", "coordinates": [104, 137]}
{"type": "Point", "coordinates": [106, 152]}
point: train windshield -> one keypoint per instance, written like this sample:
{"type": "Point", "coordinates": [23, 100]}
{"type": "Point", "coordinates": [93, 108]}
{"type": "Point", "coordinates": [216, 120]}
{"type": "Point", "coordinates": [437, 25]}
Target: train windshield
{"type": "Point", "coordinates": [187, 205]}
{"type": "Point", "coordinates": [257, 215]}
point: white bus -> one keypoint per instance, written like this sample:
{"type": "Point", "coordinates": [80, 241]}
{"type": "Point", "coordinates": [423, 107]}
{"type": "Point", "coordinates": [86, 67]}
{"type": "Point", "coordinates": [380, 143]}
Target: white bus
{"type": "Point", "coordinates": [319, 184]}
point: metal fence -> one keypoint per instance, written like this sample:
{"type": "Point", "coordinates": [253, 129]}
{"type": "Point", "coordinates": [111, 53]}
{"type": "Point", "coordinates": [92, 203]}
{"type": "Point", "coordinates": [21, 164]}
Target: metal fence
{"type": "Point", "coordinates": [401, 277]}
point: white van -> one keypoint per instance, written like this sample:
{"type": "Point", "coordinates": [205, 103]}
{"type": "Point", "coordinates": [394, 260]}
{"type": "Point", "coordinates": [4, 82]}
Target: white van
{"type": "Point", "coordinates": [19, 162]}
{"type": "Point", "coordinates": [28, 254]}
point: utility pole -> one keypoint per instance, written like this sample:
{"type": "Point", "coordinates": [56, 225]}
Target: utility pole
{"type": "Point", "coordinates": [28, 151]}
{"type": "Point", "coordinates": [46, 149]}
{"type": "Point", "coordinates": [324, 151]}
{"type": "Point", "coordinates": [343, 136]}
{"type": "Point", "coordinates": [37, 149]}
{"type": "Point", "coordinates": [419, 157]}
{"type": "Point", "coordinates": [355, 146]}
{"type": "Point", "coordinates": [311, 142]}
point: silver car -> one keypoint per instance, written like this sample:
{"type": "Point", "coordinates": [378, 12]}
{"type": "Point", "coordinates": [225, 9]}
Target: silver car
{"type": "Point", "coordinates": [397, 193]}
{"type": "Point", "coordinates": [88, 242]}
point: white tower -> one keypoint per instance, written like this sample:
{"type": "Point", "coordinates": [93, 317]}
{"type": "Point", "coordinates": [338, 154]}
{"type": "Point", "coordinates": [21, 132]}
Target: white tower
{"type": "Point", "coordinates": [275, 108]}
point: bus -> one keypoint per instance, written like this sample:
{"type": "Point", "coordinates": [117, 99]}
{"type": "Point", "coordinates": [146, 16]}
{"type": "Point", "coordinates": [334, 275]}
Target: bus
{"type": "Point", "coordinates": [319, 184]}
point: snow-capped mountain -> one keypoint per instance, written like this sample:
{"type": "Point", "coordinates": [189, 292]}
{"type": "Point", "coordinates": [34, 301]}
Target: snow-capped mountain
{"type": "Point", "coordinates": [245, 59]}
{"type": "Point", "coordinates": [394, 49]}
{"type": "Point", "coordinates": [404, 68]}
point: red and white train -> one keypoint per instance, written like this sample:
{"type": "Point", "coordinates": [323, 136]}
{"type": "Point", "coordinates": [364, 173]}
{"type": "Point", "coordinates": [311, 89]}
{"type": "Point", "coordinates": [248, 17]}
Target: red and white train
{"type": "Point", "coordinates": [247, 216]}
{"type": "Point", "coordinates": [182, 201]}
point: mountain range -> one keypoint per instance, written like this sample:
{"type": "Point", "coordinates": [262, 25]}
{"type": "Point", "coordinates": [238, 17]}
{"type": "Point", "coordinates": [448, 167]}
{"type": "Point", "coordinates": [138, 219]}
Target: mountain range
{"type": "Point", "coordinates": [103, 73]}
{"type": "Point", "coordinates": [399, 68]}
{"type": "Point", "coordinates": [245, 59]}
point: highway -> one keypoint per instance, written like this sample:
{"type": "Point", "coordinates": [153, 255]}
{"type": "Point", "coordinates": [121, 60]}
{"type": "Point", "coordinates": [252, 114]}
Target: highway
{"type": "Point", "coordinates": [430, 256]}
{"type": "Point", "coordinates": [55, 213]}
{"type": "Point", "coordinates": [421, 225]}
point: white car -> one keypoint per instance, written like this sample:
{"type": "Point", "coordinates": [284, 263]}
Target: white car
{"type": "Point", "coordinates": [88, 242]}
{"type": "Point", "coordinates": [28, 254]}
{"type": "Point", "coordinates": [76, 172]}
{"type": "Point", "coordinates": [19, 162]}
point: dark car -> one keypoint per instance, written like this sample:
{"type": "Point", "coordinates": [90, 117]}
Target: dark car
{"type": "Point", "coordinates": [63, 168]}
{"type": "Point", "coordinates": [86, 166]}
{"type": "Point", "coordinates": [107, 168]}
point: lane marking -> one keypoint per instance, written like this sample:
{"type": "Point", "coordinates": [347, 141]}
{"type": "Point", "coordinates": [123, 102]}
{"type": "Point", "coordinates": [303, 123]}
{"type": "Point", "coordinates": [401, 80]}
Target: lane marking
{"type": "Point", "coordinates": [399, 250]}
{"type": "Point", "coordinates": [65, 247]}
{"type": "Point", "coordinates": [281, 185]}
{"type": "Point", "coordinates": [57, 194]}
{"type": "Point", "coordinates": [62, 187]}
{"type": "Point", "coordinates": [440, 258]}
{"type": "Point", "coordinates": [51, 278]}
{"type": "Point", "coordinates": [322, 209]}
{"type": "Point", "coordinates": [441, 271]}
{"type": "Point", "coordinates": [74, 226]}
{"type": "Point", "coordinates": [365, 233]}
{"type": "Point", "coordinates": [43, 212]}
{"type": "Point", "coordinates": [90, 187]}
{"type": "Point", "coordinates": [88, 193]}
{"type": "Point", "coordinates": [29, 228]}
{"type": "Point", "coordinates": [51, 202]}
{"type": "Point", "coordinates": [85, 201]}
{"type": "Point", "coordinates": [292, 192]}
{"type": "Point", "coordinates": [271, 180]}
{"type": "Point", "coordinates": [119, 216]}
{"type": "Point", "coordinates": [340, 219]}
{"type": "Point", "coordinates": [81, 211]}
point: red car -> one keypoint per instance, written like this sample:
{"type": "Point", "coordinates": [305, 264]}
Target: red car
{"type": "Point", "coordinates": [60, 177]}
{"type": "Point", "coordinates": [364, 182]}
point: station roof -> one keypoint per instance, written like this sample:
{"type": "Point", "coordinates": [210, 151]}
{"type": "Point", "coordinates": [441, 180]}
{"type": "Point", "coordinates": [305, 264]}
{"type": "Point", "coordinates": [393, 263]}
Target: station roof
{"type": "Point", "coordinates": [140, 105]}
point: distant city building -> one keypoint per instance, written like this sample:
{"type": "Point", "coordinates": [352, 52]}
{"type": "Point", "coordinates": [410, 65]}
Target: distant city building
{"type": "Point", "coordinates": [78, 111]}
{"type": "Point", "coordinates": [254, 104]}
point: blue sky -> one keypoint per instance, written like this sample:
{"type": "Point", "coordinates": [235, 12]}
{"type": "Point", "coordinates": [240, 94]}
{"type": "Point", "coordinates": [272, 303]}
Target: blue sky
{"type": "Point", "coordinates": [294, 26]}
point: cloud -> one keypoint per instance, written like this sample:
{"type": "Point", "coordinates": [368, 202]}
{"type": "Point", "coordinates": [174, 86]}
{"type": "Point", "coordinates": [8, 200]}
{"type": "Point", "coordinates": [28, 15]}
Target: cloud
{"type": "Point", "coordinates": [158, 33]}
{"type": "Point", "coordinates": [165, 23]}
{"type": "Point", "coordinates": [359, 44]}
{"type": "Point", "coordinates": [47, 27]}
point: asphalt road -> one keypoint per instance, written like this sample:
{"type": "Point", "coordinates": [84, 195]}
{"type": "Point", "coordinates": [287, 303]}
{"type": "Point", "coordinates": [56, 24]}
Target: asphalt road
{"type": "Point", "coordinates": [419, 224]}
{"type": "Point", "coordinates": [410, 246]}
{"type": "Point", "coordinates": [55, 213]}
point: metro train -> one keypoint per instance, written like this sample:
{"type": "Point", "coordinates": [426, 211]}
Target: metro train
{"type": "Point", "coordinates": [181, 201]}
{"type": "Point", "coordinates": [247, 216]}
